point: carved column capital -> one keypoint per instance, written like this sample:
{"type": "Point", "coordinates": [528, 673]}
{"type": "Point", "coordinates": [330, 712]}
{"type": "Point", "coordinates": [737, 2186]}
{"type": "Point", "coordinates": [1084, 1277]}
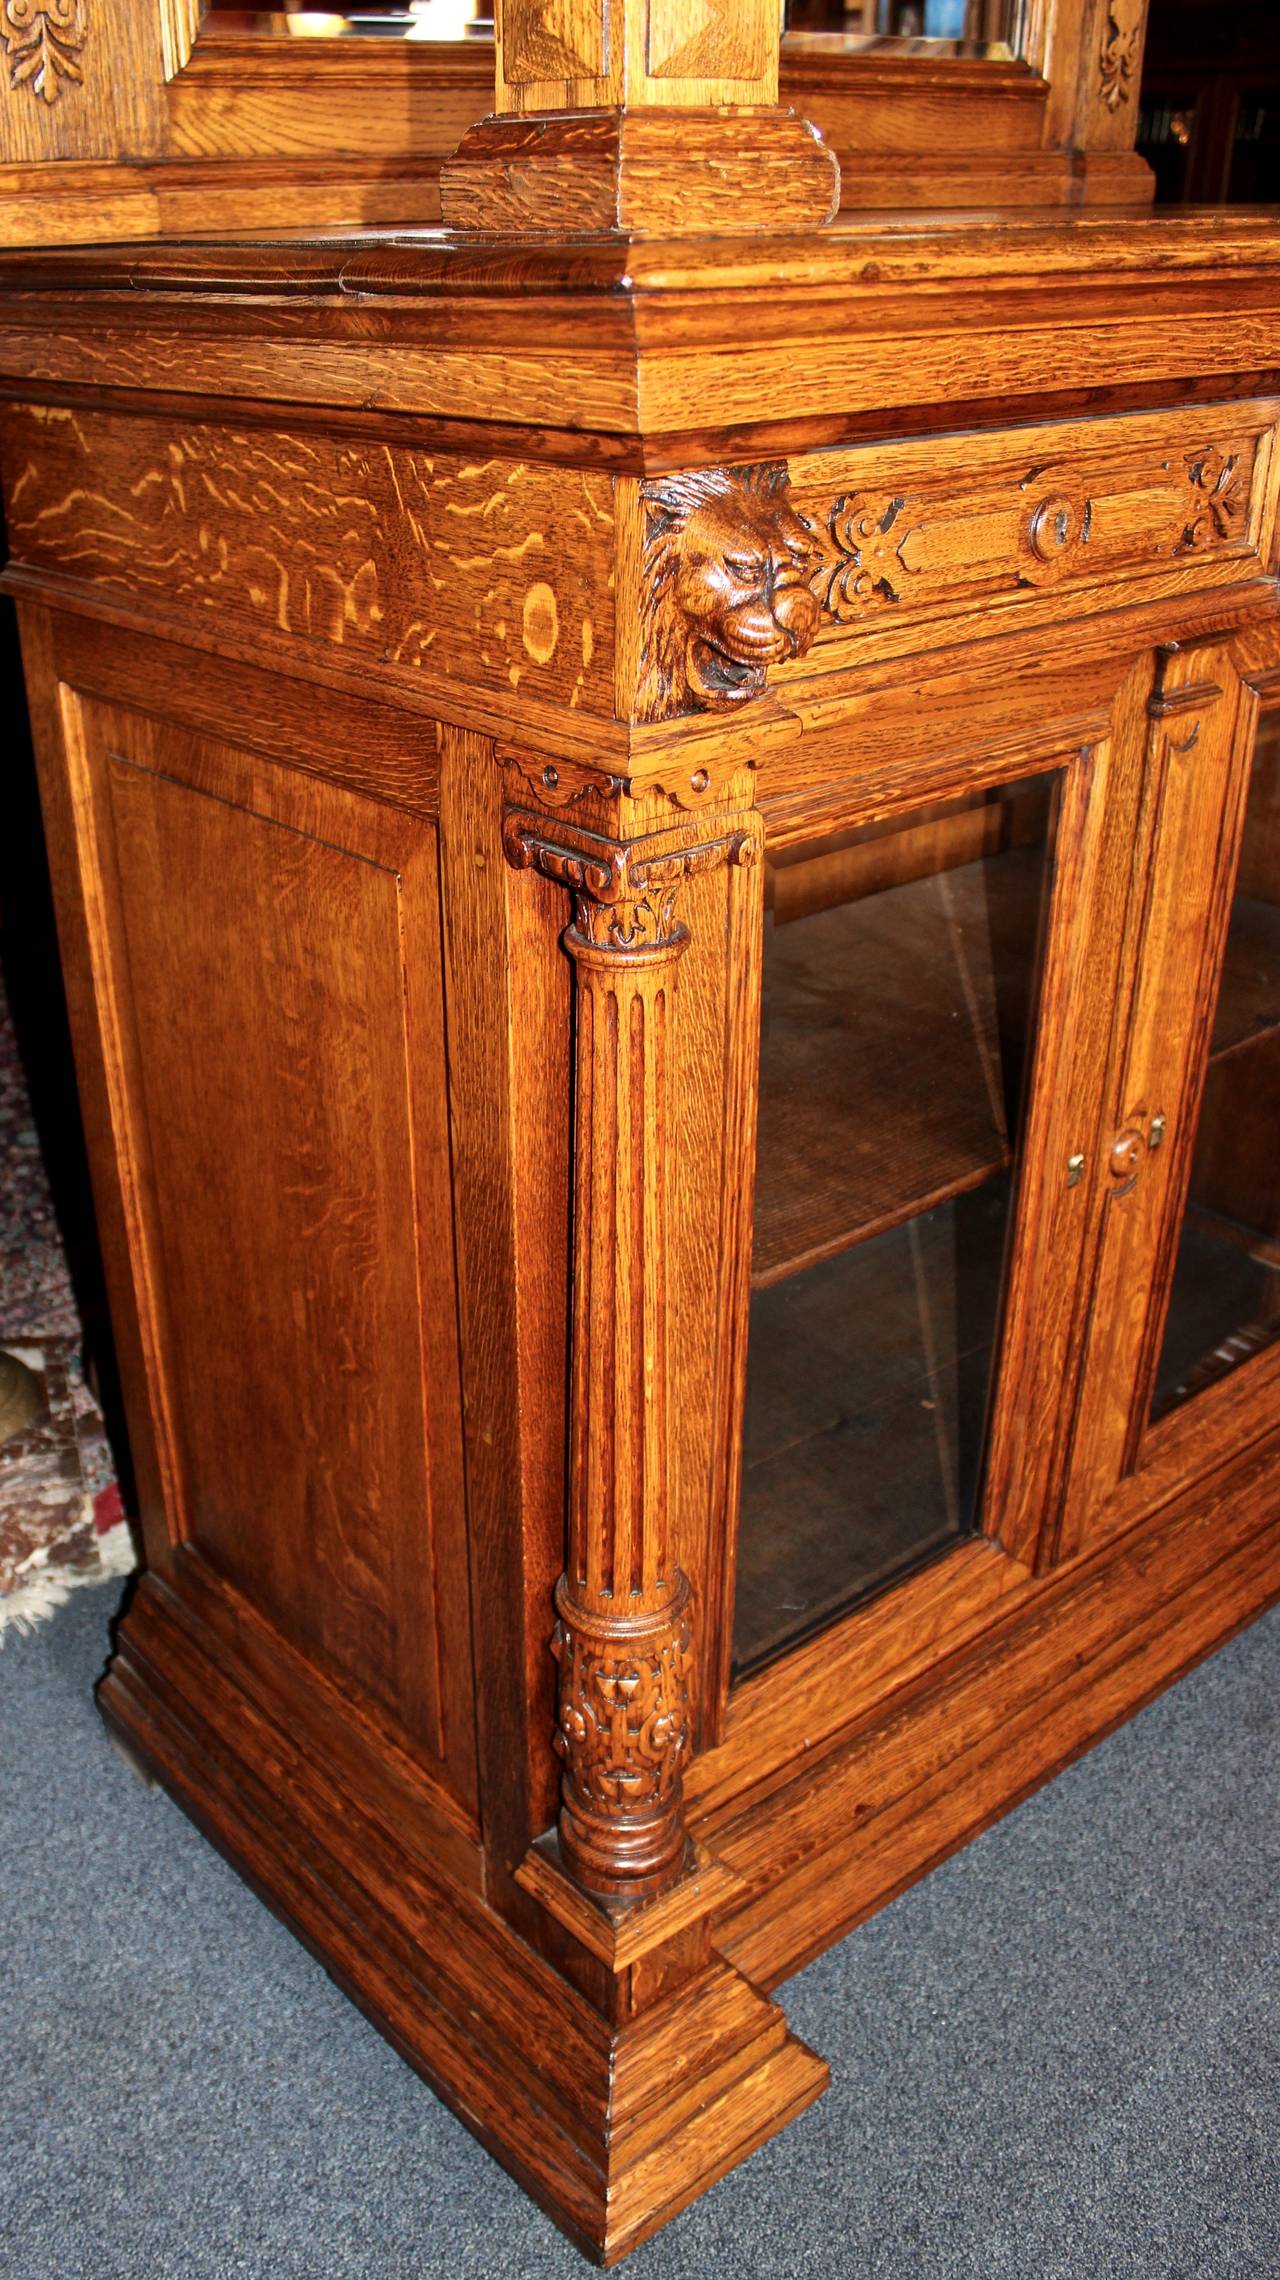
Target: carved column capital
{"type": "Point", "coordinates": [624, 890]}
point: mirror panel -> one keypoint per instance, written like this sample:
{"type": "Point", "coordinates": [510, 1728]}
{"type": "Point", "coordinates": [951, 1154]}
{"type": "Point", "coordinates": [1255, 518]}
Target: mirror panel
{"type": "Point", "coordinates": [931, 28]}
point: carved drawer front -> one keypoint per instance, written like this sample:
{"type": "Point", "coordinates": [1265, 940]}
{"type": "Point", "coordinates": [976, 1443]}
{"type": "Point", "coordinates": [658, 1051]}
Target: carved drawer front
{"type": "Point", "coordinates": [906, 537]}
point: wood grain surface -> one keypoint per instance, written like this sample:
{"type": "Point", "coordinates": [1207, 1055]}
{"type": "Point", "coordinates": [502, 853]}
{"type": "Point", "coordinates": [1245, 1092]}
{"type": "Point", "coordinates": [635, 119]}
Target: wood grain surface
{"type": "Point", "coordinates": [401, 558]}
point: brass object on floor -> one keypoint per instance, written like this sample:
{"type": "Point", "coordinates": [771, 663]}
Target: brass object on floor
{"type": "Point", "coordinates": [21, 1397]}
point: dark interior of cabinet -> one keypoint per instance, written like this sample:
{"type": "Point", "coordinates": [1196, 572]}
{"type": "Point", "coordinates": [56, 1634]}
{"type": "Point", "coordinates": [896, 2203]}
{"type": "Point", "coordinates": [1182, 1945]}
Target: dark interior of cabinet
{"type": "Point", "coordinates": [900, 973]}
{"type": "Point", "coordinates": [1224, 1303]}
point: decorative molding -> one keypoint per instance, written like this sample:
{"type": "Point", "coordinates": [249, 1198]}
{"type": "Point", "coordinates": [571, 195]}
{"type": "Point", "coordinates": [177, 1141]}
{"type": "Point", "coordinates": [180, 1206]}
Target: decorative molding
{"type": "Point", "coordinates": [1120, 53]}
{"type": "Point", "coordinates": [866, 549]}
{"type": "Point", "coordinates": [624, 890]}
{"type": "Point", "coordinates": [1217, 498]}
{"type": "Point", "coordinates": [558, 783]}
{"type": "Point", "coordinates": [726, 592]}
{"type": "Point", "coordinates": [43, 39]}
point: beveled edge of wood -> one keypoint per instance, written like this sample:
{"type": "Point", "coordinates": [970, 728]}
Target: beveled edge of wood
{"type": "Point", "coordinates": [903, 249]}
{"type": "Point", "coordinates": [621, 1936]}
{"type": "Point", "coordinates": [779, 2089]}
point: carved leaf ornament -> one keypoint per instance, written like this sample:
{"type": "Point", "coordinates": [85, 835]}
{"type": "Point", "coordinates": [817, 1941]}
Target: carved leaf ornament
{"type": "Point", "coordinates": [43, 43]}
{"type": "Point", "coordinates": [1217, 497]}
{"type": "Point", "coordinates": [1118, 59]}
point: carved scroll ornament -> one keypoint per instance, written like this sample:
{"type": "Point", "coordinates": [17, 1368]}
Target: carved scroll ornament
{"type": "Point", "coordinates": [865, 551]}
{"type": "Point", "coordinates": [624, 890]}
{"type": "Point", "coordinates": [726, 587]}
{"type": "Point", "coordinates": [43, 39]}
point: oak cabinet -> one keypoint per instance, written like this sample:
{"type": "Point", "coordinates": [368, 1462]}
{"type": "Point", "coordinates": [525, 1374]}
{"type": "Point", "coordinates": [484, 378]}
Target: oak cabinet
{"type": "Point", "coordinates": [670, 903]}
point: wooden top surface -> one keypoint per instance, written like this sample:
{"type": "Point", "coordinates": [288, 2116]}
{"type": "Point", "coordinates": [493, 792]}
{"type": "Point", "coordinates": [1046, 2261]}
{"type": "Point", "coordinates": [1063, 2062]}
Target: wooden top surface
{"type": "Point", "coordinates": [856, 251]}
{"type": "Point", "coordinates": [663, 349]}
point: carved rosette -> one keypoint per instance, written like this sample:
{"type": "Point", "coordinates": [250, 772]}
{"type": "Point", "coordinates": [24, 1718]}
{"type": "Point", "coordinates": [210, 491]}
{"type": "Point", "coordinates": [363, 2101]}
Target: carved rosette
{"type": "Point", "coordinates": [622, 1640]}
{"type": "Point", "coordinates": [43, 43]}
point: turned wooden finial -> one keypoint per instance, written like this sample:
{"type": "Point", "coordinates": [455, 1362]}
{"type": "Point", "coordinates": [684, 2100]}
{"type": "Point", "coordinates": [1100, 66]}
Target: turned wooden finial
{"type": "Point", "coordinates": [643, 115]}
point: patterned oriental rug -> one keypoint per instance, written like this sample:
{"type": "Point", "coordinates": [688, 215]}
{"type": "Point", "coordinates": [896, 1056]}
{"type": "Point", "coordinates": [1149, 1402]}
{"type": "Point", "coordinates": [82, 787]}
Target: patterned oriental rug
{"type": "Point", "coordinates": [62, 1521]}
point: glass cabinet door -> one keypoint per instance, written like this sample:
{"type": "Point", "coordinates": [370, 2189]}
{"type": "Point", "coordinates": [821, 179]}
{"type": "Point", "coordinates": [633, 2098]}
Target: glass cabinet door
{"type": "Point", "coordinates": [1224, 1303]}
{"type": "Point", "coordinates": [900, 982]}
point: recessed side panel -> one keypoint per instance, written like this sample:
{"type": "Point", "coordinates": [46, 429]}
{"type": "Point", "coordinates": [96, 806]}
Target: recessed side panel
{"type": "Point", "coordinates": [274, 944]}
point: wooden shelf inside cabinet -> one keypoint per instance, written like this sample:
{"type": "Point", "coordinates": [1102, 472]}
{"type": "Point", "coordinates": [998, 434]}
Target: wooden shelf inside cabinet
{"type": "Point", "coordinates": [886, 1056]}
{"type": "Point", "coordinates": [1249, 999]}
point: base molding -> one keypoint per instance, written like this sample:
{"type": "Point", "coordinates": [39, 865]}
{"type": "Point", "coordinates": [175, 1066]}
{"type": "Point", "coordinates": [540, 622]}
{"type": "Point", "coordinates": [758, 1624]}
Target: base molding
{"type": "Point", "coordinates": [612, 2129]}
{"type": "Point", "coordinates": [614, 2123]}
{"type": "Point", "coordinates": [846, 1830]}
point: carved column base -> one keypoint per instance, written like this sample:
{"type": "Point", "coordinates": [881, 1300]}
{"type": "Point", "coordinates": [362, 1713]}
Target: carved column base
{"type": "Point", "coordinates": [657, 171]}
{"type": "Point", "coordinates": [623, 1736]}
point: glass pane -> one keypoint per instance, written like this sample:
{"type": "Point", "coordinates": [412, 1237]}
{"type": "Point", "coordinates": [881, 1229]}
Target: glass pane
{"type": "Point", "coordinates": [900, 970]}
{"type": "Point", "coordinates": [1225, 1303]}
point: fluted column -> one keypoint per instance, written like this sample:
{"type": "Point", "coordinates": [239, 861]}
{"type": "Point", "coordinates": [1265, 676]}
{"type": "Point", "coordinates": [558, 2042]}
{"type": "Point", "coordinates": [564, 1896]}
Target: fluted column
{"type": "Point", "coordinates": [622, 1635]}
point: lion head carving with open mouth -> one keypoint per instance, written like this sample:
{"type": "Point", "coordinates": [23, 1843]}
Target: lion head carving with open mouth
{"type": "Point", "coordinates": [727, 562]}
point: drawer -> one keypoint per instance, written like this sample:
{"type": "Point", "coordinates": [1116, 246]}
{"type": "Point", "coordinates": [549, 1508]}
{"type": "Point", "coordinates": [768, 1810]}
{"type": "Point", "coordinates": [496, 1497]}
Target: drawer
{"type": "Point", "coordinates": [938, 540]}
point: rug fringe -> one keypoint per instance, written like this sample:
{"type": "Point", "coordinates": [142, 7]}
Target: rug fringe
{"type": "Point", "coordinates": [42, 1590]}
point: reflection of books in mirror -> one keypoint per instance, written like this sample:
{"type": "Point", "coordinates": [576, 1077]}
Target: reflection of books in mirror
{"type": "Point", "coordinates": [446, 19]}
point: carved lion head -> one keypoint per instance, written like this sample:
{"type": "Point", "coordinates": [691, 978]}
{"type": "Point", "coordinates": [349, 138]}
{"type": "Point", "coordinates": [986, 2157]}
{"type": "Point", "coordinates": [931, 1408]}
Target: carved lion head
{"type": "Point", "coordinates": [726, 568]}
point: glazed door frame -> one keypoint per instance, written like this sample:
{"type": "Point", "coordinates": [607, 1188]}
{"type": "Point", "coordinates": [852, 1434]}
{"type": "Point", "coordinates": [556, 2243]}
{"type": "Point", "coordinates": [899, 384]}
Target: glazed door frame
{"type": "Point", "coordinates": [1091, 732]}
{"type": "Point", "coordinates": [1206, 703]}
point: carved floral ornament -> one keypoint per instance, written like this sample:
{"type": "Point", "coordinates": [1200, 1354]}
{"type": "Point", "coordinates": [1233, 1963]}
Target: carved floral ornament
{"type": "Point", "coordinates": [623, 1731]}
{"type": "Point", "coordinates": [43, 39]}
{"type": "Point", "coordinates": [1120, 52]}
{"type": "Point", "coordinates": [1217, 497]}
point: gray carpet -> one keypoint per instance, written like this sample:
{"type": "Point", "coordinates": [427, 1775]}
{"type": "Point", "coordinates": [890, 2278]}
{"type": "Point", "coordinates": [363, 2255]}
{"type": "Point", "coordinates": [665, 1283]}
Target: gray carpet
{"type": "Point", "coordinates": [1055, 2059]}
